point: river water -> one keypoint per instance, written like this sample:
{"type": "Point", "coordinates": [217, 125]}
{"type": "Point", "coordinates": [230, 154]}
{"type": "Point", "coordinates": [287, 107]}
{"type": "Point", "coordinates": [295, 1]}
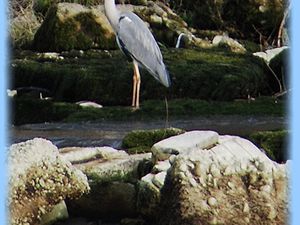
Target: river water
{"type": "Point", "coordinates": [111, 133]}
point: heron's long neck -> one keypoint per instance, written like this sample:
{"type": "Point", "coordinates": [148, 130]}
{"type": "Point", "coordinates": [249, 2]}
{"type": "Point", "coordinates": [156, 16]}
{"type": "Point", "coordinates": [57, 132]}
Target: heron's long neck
{"type": "Point", "coordinates": [112, 13]}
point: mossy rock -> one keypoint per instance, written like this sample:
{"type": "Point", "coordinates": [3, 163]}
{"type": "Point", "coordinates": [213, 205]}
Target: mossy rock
{"type": "Point", "coordinates": [274, 143]}
{"type": "Point", "coordinates": [142, 140]}
{"type": "Point", "coordinates": [72, 26]}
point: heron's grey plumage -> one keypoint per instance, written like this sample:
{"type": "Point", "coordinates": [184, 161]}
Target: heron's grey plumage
{"type": "Point", "coordinates": [135, 39]}
{"type": "Point", "coordinates": [137, 42]}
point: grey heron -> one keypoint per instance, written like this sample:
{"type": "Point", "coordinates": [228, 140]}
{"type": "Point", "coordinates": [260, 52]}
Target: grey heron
{"type": "Point", "coordinates": [137, 42]}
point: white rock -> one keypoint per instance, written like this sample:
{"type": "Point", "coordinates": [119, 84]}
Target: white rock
{"type": "Point", "coordinates": [246, 208]}
{"type": "Point", "coordinates": [89, 104]}
{"type": "Point", "coordinates": [78, 154]}
{"type": "Point", "coordinates": [268, 55]}
{"type": "Point", "coordinates": [212, 201]}
{"type": "Point", "coordinates": [193, 182]}
{"type": "Point", "coordinates": [148, 178]}
{"type": "Point", "coordinates": [184, 142]}
{"type": "Point", "coordinates": [161, 166]}
{"type": "Point", "coordinates": [159, 179]}
{"type": "Point", "coordinates": [225, 40]}
{"type": "Point", "coordinates": [11, 93]}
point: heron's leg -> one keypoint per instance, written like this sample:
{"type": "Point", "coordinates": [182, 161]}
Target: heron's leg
{"type": "Point", "coordinates": [134, 86]}
{"type": "Point", "coordinates": [138, 84]}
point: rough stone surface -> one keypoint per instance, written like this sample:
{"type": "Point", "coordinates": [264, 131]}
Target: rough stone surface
{"type": "Point", "coordinates": [39, 178]}
{"type": "Point", "coordinates": [232, 182]}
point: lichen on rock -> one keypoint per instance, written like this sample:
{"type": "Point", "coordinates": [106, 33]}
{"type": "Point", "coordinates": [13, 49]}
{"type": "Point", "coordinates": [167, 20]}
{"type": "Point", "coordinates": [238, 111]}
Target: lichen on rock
{"type": "Point", "coordinates": [39, 178]}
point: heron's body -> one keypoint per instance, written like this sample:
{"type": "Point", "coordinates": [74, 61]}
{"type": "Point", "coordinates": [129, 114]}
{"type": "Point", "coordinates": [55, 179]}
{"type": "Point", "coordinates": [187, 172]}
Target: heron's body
{"type": "Point", "coordinates": [136, 41]}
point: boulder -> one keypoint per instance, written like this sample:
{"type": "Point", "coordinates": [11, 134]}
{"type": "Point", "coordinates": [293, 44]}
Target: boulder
{"type": "Point", "coordinates": [112, 175]}
{"type": "Point", "coordinates": [229, 182]}
{"type": "Point", "coordinates": [39, 178]}
{"type": "Point", "coordinates": [73, 26]}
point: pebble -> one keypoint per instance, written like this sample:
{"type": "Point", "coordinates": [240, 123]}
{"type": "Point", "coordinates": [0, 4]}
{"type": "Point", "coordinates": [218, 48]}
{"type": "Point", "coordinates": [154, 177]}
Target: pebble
{"type": "Point", "coordinates": [272, 213]}
{"type": "Point", "coordinates": [246, 208]}
{"type": "Point", "coordinates": [214, 170]}
{"type": "Point", "coordinates": [266, 188]}
{"type": "Point", "coordinates": [197, 169]}
{"type": "Point", "coordinates": [209, 178]}
{"type": "Point", "coordinates": [212, 201]}
{"type": "Point", "coordinates": [202, 181]}
{"type": "Point", "coordinates": [228, 170]}
{"type": "Point", "coordinates": [159, 179]}
{"type": "Point", "coordinates": [231, 185]}
{"type": "Point", "coordinates": [213, 221]}
{"type": "Point", "coordinates": [183, 167]}
{"type": "Point", "coordinates": [193, 182]}
{"type": "Point", "coordinates": [261, 166]}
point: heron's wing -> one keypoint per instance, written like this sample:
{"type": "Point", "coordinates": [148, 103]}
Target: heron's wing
{"type": "Point", "coordinates": [135, 38]}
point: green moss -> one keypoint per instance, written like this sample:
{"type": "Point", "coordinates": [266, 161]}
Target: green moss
{"type": "Point", "coordinates": [142, 140]}
{"type": "Point", "coordinates": [274, 143]}
{"type": "Point", "coordinates": [139, 150]}
{"type": "Point", "coordinates": [117, 176]}
{"type": "Point", "coordinates": [212, 74]}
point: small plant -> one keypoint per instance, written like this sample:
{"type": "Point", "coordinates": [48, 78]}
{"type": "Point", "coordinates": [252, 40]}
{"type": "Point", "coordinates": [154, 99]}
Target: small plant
{"type": "Point", "coordinates": [23, 22]}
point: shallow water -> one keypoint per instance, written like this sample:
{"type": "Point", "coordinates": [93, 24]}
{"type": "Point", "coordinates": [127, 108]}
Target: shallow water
{"type": "Point", "coordinates": [111, 133]}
